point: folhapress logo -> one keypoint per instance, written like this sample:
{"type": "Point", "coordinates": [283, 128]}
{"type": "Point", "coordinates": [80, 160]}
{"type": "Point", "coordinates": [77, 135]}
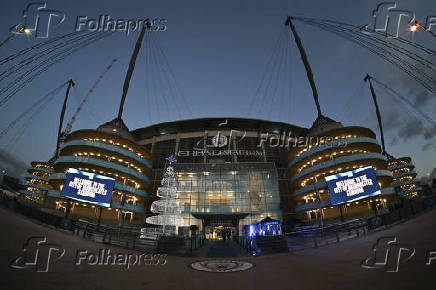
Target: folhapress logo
{"type": "Point", "coordinates": [37, 20]}
{"type": "Point", "coordinates": [220, 140]}
{"type": "Point", "coordinates": [390, 20]}
{"type": "Point", "coordinates": [388, 254]}
{"type": "Point", "coordinates": [38, 254]}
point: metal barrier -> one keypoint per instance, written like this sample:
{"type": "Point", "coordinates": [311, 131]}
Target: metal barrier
{"type": "Point", "coordinates": [128, 238]}
{"type": "Point", "coordinates": [333, 233]}
{"type": "Point", "coordinates": [308, 238]}
{"type": "Point", "coordinates": [247, 244]}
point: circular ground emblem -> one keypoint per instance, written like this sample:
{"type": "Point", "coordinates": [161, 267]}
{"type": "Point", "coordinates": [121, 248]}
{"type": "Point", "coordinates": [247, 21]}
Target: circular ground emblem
{"type": "Point", "coordinates": [221, 266]}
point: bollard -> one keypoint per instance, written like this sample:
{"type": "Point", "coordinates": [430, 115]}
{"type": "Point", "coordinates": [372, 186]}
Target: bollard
{"type": "Point", "coordinates": [337, 237]}
{"type": "Point", "coordinates": [84, 231]}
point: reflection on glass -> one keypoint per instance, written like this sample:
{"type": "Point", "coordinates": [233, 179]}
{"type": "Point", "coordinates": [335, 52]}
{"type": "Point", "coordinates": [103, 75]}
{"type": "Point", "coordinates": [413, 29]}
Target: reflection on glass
{"type": "Point", "coordinates": [247, 190]}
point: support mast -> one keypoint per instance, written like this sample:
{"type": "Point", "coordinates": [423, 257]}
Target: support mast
{"type": "Point", "coordinates": [61, 121]}
{"type": "Point", "coordinates": [377, 111]}
{"type": "Point", "coordinates": [305, 62]}
{"type": "Point", "coordinates": [132, 67]}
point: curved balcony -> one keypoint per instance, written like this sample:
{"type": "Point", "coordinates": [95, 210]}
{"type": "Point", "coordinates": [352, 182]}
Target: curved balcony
{"type": "Point", "coordinates": [102, 163]}
{"type": "Point", "coordinates": [318, 185]}
{"type": "Point", "coordinates": [26, 192]}
{"type": "Point", "coordinates": [118, 186]}
{"type": "Point", "coordinates": [402, 165]}
{"type": "Point", "coordinates": [313, 205]}
{"type": "Point", "coordinates": [410, 190]}
{"type": "Point", "coordinates": [29, 175]}
{"type": "Point", "coordinates": [337, 161]}
{"type": "Point", "coordinates": [108, 147]}
{"type": "Point", "coordinates": [411, 172]}
{"type": "Point", "coordinates": [411, 181]}
{"type": "Point", "coordinates": [54, 193]}
{"type": "Point", "coordinates": [128, 206]}
{"type": "Point", "coordinates": [329, 145]}
{"type": "Point", "coordinates": [389, 190]}
{"type": "Point", "coordinates": [40, 169]}
{"type": "Point", "coordinates": [29, 184]}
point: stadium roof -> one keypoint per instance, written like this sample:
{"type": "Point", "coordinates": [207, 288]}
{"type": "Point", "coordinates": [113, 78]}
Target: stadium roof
{"type": "Point", "coordinates": [193, 125]}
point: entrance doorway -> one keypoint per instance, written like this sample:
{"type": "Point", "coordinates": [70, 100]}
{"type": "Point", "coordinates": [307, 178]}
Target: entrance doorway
{"type": "Point", "coordinates": [220, 232]}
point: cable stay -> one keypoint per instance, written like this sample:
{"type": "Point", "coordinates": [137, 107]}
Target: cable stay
{"type": "Point", "coordinates": [69, 125]}
{"type": "Point", "coordinates": [421, 115]}
{"type": "Point", "coordinates": [377, 33]}
{"type": "Point", "coordinates": [38, 46]}
{"type": "Point", "coordinates": [397, 51]}
{"type": "Point", "coordinates": [18, 66]}
{"type": "Point", "coordinates": [45, 99]}
{"type": "Point", "coordinates": [162, 91]}
{"type": "Point", "coordinates": [408, 67]}
{"type": "Point", "coordinates": [26, 124]}
{"type": "Point", "coordinates": [26, 78]}
{"type": "Point", "coordinates": [171, 75]}
{"type": "Point", "coordinates": [274, 86]}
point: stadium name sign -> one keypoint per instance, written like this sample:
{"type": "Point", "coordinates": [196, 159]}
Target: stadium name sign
{"type": "Point", "coordinates": [205, 152]}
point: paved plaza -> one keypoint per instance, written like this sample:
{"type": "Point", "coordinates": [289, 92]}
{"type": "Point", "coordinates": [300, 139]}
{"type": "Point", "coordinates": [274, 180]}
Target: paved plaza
{"type": "Point", "coordinates": [336, 266]}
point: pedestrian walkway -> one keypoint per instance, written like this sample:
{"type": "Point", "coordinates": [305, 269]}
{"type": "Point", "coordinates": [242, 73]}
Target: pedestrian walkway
{"type": "Point", "coordinates": [221, 249]}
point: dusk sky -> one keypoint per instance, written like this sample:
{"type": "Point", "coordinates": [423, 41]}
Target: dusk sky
{"type": "Point", "coordinates": [219, 52]}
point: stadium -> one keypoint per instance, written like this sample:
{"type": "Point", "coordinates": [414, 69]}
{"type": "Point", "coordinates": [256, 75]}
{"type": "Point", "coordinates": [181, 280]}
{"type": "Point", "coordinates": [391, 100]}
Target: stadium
{"type": "Point", "coordinates": [232, 173]}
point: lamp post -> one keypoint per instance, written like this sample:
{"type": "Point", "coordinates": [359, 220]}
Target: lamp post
{"type": "Point", "coordinates": [416, 25]}
{"type": "Point", "coordinates": [2, 176]}
{"type": "Point", "coordinates": [22, 30]}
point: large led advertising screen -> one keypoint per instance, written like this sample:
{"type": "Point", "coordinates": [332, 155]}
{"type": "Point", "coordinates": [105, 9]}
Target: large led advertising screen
{"type": "Point", "coordinates": [352, 185]}
{"type": "Point", "coordinates": [88, 187]}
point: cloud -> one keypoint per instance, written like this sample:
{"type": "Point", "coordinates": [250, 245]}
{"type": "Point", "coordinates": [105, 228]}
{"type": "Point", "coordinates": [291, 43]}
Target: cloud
{"type": "Point", "coordinates": [428, 146]}
{"type": "Point", "coordinates": [13, 165]}
{"type": "Point", "coordinates": [411, 128]}
{"type": "Point", "coordinates": [422, 98]}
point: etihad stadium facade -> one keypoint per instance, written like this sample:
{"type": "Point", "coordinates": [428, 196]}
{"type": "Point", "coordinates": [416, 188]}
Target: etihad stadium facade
{"type": "Point", "coordinates": [231, 172]}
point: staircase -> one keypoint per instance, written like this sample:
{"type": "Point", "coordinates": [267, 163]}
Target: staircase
{"type": "Point", "coordinates": [271, 244]}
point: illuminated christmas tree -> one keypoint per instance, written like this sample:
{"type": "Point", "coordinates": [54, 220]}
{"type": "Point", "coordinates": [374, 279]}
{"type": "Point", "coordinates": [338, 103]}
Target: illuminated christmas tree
{"type": "Point", "coordinates": [167, 207]}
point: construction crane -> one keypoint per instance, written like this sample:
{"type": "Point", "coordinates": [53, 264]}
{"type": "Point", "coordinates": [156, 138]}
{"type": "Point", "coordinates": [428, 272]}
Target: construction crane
{"type": "Point", "coordinates": [69, 125]}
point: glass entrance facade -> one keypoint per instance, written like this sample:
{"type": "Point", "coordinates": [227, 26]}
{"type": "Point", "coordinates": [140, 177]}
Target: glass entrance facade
{"type": "Point", "coordinates": [239, 193]}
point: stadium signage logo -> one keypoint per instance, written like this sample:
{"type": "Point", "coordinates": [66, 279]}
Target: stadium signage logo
{"type": "Point", "coordinates": [205, 152]}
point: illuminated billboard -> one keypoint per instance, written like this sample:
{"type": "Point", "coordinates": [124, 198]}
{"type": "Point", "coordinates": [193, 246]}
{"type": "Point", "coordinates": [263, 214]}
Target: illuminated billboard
{"type": "Point", "coordinates": [352, 185]}
{"type": "Point", "coordinates": [88, 187]}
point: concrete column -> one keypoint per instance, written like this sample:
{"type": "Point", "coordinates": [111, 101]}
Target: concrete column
{"type": "Point", "coordinates": [152, 144]}
{"type": "Point", "coordinates": [234, 157]}
{"type": "Point", "coordinates": [205, 145]}
{"type": "Point", "coordinates": [262, 146]}
{"type": "Point", "coordinates": [176, 149]}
